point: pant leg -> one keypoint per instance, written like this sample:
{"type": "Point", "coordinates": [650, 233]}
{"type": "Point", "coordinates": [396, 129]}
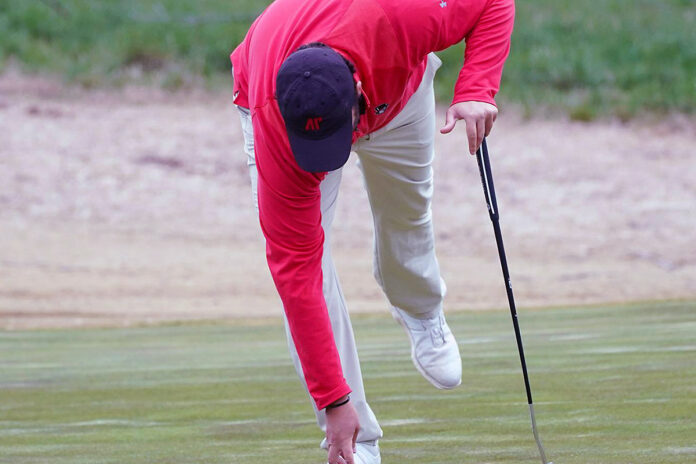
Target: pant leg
{"type": "Point", "coordinates": [396, 162]}
{"type": "Point", "coordinates": [335, 302]}
{"type": "Point", "coordinates": [248, 132]}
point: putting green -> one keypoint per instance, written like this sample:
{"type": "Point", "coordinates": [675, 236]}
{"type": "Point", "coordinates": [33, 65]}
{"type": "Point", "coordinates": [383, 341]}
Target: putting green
{"type": "Point", "coordinates": [612, 385]}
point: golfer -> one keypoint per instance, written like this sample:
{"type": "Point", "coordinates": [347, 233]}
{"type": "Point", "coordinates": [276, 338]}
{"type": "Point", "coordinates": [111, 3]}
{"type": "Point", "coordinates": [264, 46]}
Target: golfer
{"type": "Point", "coordinates": [313, 81]}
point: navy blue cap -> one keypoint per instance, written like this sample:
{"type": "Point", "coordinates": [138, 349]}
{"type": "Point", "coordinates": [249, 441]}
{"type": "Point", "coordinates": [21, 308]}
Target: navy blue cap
{"type": "Point", "coordinates": [316, 93]}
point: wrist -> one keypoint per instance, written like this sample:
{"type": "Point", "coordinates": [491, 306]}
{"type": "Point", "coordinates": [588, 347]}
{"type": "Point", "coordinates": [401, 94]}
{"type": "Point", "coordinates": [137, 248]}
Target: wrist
{"type": "Point", "coordinates": [345, 399]}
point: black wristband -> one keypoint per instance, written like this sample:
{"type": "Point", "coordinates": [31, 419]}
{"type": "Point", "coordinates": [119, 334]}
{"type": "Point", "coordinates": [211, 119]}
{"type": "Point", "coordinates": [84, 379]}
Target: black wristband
{"type": "Point", "coordinates": [335, 405]}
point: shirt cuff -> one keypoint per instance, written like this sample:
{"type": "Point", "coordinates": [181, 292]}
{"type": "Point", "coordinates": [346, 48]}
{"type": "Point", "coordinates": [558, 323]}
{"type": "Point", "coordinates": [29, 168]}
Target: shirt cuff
{"type": "Point", "coordinates": [332, 396]}
{"type": "Point", "coordinates": [479, 97]}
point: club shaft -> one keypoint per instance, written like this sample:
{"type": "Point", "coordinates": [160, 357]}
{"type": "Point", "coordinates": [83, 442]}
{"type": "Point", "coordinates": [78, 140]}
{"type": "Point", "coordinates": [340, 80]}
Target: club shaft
{"type": "Point", "coordinates": [511, 301]}
{"type": "Point", "coordinates": [492, 203]}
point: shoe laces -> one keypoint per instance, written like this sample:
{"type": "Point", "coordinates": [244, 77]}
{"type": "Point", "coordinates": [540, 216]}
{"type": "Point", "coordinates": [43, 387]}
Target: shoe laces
{"type": "Point", "coordinates": [436, 330]}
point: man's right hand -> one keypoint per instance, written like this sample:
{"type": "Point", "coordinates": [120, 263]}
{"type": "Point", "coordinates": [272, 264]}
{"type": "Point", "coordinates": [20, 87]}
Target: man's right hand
{"type": "Point", "coordinates": [479, 118]}
{"type": "Point", "coordinates": [342, 428]}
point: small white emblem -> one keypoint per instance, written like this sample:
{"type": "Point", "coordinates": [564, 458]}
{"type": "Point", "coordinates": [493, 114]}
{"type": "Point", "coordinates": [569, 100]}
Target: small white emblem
{"type": "Point", "coordinates": [443, 4]}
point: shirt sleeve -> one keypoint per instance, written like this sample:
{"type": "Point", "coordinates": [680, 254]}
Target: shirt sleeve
{"type": "Point", "coordinates": [290, 216]}
{"type": "Point", "coordinates": [240, 76]}
{"type": "Point", "coordinates": [240, 67]}
{"type": "Point", "coordinates": [487, 48]}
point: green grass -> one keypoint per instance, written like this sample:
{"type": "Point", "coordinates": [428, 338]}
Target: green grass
{"type": "Point", "coordinates": [589, 58]}
{"type": "Point", "coordinates": [612, 385]}
{"type": "Point", "coordinates": [104, 42]}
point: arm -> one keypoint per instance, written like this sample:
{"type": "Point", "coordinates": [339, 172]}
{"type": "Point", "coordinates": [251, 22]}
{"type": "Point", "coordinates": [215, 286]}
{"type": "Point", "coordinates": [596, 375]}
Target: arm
{"type": "Point", "coordinates": [290, 215]}
{"type": "Point", "coordinates": [487, 48]}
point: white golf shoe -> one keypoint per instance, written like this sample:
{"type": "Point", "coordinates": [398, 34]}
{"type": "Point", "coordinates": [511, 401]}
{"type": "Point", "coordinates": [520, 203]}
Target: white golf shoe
{"type": "Point", "coordinates": [434, 350]}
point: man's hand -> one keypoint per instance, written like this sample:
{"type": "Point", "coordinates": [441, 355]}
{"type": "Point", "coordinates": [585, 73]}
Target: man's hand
{"type": "Point", "coordinates": [342, 428]}
{"type": "Point", "coordinates": [479, 118]}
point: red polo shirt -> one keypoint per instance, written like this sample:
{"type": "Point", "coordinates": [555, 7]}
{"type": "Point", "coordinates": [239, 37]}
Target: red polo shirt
{"type": "Point", "coordinates": [388, 41]}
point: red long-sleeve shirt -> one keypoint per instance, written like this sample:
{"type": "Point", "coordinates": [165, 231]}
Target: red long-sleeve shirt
{"type": "Point", "coordinates": [388, 41]}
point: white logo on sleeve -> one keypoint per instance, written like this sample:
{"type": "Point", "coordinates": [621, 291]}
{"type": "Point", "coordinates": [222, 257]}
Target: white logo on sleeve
{"type": "Point", "coordinates": [443, 4]}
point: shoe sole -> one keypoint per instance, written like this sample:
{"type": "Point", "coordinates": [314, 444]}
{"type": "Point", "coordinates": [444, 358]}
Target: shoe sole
{"type": "Point", "coordinates": [414, 359]}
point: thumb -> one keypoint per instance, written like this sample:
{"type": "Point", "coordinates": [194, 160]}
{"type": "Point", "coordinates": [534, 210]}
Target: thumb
{"type": "Point", "coordinates": [450, 121]}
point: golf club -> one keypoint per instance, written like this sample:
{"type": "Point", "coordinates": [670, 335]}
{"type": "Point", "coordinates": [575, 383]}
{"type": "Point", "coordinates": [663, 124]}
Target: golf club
{"type": "Point", "coordinates": [484, 165]}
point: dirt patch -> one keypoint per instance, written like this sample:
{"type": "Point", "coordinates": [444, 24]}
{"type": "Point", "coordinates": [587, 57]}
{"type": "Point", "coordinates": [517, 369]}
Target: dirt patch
{"type": "Point", "coordinates": [132, 207]}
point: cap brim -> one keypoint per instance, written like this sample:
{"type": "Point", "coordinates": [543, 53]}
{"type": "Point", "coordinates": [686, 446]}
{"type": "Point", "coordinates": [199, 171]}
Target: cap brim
{"type": "Point", "coordinates": [323, 155]}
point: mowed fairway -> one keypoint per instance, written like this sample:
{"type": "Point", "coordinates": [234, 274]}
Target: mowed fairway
{"type": "Point", "coordinates": [613, 385]}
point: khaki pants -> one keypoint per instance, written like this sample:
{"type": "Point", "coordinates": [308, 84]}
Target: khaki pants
{"type": "Point", "coordinates": [396, 162]}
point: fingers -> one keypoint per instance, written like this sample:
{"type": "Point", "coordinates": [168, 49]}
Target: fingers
{"type": "Point", "coordinates": [450, 121]}
{"type": "Point", "coordinates": [480, 131]}
{"type": "Point", "coordinates": [348, 458]}
{"type": "Point", "coordinates": [336, 456]}
{"type": "Point", "coordinates": [333, 455]}
{"type": "Point", "coordinates": [332, 458]}
{"type": "Point", "coordinates": [477, 128]}
{"type": "Point", "coordinates": [341, 454]}
{"type": "Point", "coordinates": [490, 119]}
{"type": "Point", "coordinates": [355, 437]}
{"type": "Point", "coordinates": [471, 124]}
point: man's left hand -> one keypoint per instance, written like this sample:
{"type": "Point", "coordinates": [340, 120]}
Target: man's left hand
{"type": "Point", "coordinates": [479, 118]}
